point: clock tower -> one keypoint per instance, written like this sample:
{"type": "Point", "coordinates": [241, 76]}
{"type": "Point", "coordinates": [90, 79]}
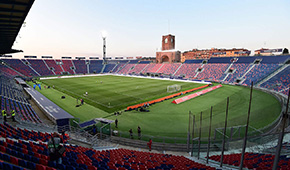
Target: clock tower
{"type": "Point", "coordinates": [168, 54]}
{"type": "Point", "coordinates": [168, 42]}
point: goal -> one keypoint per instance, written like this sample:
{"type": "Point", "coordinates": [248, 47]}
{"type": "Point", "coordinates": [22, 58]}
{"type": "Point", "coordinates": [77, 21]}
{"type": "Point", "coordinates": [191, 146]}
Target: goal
{"type": "Point", "coordinates": [173, 88]}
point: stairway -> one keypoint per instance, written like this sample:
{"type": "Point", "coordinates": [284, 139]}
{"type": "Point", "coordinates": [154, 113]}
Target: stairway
{"type": "Point", "coordinates": [177, 69]}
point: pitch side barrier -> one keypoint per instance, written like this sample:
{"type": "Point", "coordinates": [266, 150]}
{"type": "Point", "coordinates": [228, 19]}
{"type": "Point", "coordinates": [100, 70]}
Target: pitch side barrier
{"type": "Point", "coordinates": [191, 96]}
{"type": "Point", "coordinates": [165, 98]}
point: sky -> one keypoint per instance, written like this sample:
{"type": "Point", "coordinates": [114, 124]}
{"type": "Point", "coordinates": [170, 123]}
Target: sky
{"type": "Point", "coordinates": [135, 27]}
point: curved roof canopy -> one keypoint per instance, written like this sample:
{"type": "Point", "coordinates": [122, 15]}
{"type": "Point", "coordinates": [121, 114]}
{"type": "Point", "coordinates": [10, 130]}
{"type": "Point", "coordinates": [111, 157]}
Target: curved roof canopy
{"type": "Point", "coordinates": [12, 16]}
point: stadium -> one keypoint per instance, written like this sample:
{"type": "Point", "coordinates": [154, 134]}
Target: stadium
{"type": "Point", "coordinates": [201, 109]}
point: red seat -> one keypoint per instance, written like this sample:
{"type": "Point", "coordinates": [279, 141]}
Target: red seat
{"type": "Point", "coordinates": [3, 149]}
{"type": "Point", "coordinates": [43, 161]}
{"type": "Point", "coordinates": [92, 168]}
{"type": "Point", "coordinates": [40, 167]}
{"type": "Point", "coordinates": [14, 160]}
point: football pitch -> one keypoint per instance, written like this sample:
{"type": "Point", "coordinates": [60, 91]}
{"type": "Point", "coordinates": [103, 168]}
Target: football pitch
{"type": "Point", "coordinates": [109, 93]}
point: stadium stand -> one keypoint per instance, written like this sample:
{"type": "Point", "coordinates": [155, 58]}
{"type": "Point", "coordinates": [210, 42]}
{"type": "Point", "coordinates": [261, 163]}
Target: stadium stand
{"type": "Point", "coordinates": [259, 72]}
{"type": "Point", "coordinates": [240, 69]}
{"type": "Point", "coordinates": [16, 150]}
{"type": "Point", "coordinates": [188, 70]}
{"type": "Point", "coordinates": [274, 59]}
{"type": "Point", "coordinates": [67, 66]}
{"type": "Point", "coordinates": [214, 72]}
{"type": "Point", "coordinates": [109, 68]}
{"type": "Point", "coordinates": [246, 60]}
{"type": "Point", "coordinates": [193, 61]}
{"type": "Point", "coordinates": [80, 66]}
{"type": "Point", "coordinates": [5, 69]}
{"type": "Point", "coordinates": [138, 68]}
{"type": "Point", "coordinates": [145, 62]}
{"type": "Point", "coordinates": [118, 67]}
{"type": "Point", "coordinates": [96, 66]}
{"type": "Point", "coordinates": [279, 82]}
{"type": "Point", "coordinates": [152, 68]}
{"type": "Point", "coordinates": [254, 160]}
{"type": "Point", "coordinates": [40, 67]}
{"type": "Point", "coordinates": [169, 68]}
{"type": "Point", "coordinates": [19, 66]}
{"type": "Point", "coordinates": [220, 60]}
{"type": "Point", "coordinates": [133, 61]}
{"type": "Point", "coordinates": [56, 67]}
{"type": "Point", "coordinates": [126, 68]}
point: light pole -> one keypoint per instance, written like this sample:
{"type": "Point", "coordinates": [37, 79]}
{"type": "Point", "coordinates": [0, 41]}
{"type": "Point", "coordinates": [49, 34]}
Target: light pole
{"type": "Point", "coordinates": [104, 36]}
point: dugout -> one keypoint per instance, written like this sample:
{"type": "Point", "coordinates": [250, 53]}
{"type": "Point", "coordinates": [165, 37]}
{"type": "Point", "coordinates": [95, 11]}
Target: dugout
{"type": "Point", "coordinates": [96, 126]}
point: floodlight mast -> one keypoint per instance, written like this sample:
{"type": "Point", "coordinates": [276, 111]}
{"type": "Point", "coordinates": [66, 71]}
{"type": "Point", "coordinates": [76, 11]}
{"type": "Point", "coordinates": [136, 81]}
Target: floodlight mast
{"type": "Point", "coordinates": [104, 48]}
{"type": "Point", "coordinates": [104, 51]}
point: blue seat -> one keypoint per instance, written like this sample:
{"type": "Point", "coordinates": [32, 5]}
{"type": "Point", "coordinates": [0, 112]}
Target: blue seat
{"type": "Point", "coordinates": [6, 157]}
{"type": "Point", "coordinates": [74, 164]}
{"type": "Point", "coordinates": [27, 157]}
{"type": "Point", "coordinates": [17, 168]}
{"type": "Point", "coordinates": [8, 151]}
{"type": "Point", "coordinates": [31, 165]}
{"type": "Point", "coordinates": [83, 166]}
{"type": "Point", "coordinates": [35, 160]}
{"type": "Point", "coordinates": [30, 153]}
{"type": "Point", "coordinates": [61, 166]}
{"type": "Point", "coordinates": [51, 164]}
{"type": "Point", "coordinates": [14, 153]}
{"type": "Point", "coordinates": [70, 167]}
{"type": "Point", "coordinates": [22, 163]}
{"type": "Point", "coordinates": [20, 155]}
{"type": "Point", "coordinates": [7, 166]}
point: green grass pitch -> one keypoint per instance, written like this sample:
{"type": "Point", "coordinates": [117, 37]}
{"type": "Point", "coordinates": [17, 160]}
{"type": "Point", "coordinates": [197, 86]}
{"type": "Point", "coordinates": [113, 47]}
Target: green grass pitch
{"type": "Point", "coordinates": [107, 94]}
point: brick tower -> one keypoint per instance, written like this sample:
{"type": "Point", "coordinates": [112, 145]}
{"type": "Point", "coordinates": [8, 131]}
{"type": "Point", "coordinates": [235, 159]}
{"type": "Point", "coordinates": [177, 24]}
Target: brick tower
{"type": "Point", "coordinates": [168, 42]}
{"type": "Point", "coordinates": [168, 53]}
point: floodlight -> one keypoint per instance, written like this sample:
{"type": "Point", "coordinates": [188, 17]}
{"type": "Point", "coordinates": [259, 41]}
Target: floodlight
{"type": "Point", "coordinates": [104, 34]}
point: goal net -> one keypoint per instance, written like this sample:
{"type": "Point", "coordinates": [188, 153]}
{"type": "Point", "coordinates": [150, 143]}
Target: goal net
{"type": "Point", "coordinates": [173, 88]}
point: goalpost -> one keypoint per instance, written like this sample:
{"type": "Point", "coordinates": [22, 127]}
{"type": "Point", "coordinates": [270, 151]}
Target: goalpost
{"type": "Point", "coordinates": [173, 88]}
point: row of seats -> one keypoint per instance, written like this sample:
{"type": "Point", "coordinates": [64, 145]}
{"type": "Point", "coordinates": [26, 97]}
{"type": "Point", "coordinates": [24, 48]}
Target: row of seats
{"type": "Point", "coordinates": [6, 70]}
{"type": "Point", "coordinates": [138, 68]}
{"type": "Point", "coordinates": [40, 67]}
{"type": "Point", "coordinates": [109, 68]}
{"type": "Point", "coordinates": [22, 110]}
{"type": "Point", "coordinates": [213, 72]}
{"type": "Point", "coordinates": [259, 72]}
{"type": "Point", "coordinates": [169, 68]}
{"type": "Point", "coordinates": [189, 70]}
{"type": "Point", "coordinates": [19, 66]}
{"type": "Point", "coordinates": [10, 90]}
{"type": "Point", "coordinates": [126, 68]}
{"type": "Point", "coordinates": [239, 70]}
{"type": "Point", "coordinates": [96, 66]}
{"type": "Point", "coordinates": [152, 68]}
{"type": "Point", "coordinates": [254, 161]}
{"type": "Point", "coordinates": [33, 154]}
{"type": "Point", "coordinates": [279, 82]}
{"type": "Point", "coordinates": [67, 66]}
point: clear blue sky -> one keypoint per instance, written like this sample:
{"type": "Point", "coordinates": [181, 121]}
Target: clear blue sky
{"type": "Point", "coordinates": [73, 27]}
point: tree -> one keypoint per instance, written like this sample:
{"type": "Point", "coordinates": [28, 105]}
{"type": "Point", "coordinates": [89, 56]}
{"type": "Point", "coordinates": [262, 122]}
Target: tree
{"type": "Point", "coordinates": [285, 51]}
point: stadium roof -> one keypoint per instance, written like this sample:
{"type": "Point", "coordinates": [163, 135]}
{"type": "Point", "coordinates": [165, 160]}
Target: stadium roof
{"type": "Point", "coordinates": [12, 16]}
